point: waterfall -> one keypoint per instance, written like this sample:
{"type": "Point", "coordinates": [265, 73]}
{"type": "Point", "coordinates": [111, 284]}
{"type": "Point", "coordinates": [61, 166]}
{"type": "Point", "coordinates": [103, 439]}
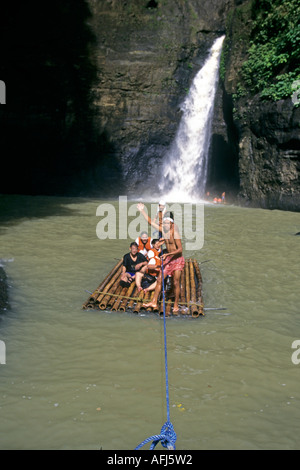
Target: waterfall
{"type": "Point", "coordinates": [184, 170]}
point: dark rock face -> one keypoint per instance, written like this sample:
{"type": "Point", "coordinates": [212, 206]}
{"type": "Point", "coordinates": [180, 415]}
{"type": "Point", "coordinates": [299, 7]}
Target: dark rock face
{"type": "Point", "coordinates": [147, 55]}
{"type": "Point", "coordinates": [94, 89]}
{"type": "Point", "coordinates": [269, 154]}
{"type": "Point", "coordinates": [266, 133]}
{"type": "Point", "coordinates": [94, 94]}
{"type": "Point", "coordinates": [47, 134]}
{"type": "Point", "coordinates": [223, 171]}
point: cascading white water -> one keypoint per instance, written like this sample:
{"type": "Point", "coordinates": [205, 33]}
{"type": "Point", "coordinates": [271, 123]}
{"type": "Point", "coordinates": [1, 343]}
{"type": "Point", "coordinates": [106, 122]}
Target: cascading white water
{"type": "Point", "coordinates": [184, 170]}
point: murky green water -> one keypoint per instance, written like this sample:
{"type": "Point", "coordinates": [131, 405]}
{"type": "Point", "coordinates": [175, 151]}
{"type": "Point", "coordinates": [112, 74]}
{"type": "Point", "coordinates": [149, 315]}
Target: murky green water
{"type": "Point", "coordinates": [78, 379]}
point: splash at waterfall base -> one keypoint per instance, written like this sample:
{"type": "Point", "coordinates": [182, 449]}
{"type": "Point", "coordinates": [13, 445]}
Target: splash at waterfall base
{"type": "Point", "coordinates": [110, 296]}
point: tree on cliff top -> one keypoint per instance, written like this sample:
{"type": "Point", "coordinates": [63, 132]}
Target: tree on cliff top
{"type": "Point", "coordinates": [273, 63]}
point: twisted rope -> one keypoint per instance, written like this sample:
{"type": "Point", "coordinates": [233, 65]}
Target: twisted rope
{"type": "Point", "coordinates": [167, 435]}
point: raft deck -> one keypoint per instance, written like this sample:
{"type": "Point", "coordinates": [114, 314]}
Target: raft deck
{"type": "Point", "coordinates": [109, 295]}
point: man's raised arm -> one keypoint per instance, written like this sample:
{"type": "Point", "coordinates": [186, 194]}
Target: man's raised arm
{"type": "Point", "coordinates": [141, 208]}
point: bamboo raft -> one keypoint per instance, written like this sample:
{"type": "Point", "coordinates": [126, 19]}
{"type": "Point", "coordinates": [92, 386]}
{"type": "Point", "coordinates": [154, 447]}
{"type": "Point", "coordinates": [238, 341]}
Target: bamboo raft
{"type": "Point", "coordinates": [109, 295]}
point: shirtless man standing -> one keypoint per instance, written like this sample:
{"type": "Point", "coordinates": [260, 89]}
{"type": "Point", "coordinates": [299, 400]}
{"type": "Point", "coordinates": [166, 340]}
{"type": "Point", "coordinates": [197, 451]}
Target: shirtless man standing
{"type": "Point", "coordinates": [173, 260]}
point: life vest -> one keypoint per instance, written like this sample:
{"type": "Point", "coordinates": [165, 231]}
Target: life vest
{"type": "Point", "coordinates": [154, 258]}
{"type": "Point", "coordinates": [144, 248]}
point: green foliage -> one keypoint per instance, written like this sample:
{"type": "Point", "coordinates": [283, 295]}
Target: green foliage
{"type": "Point", "coordinates": [274, 55]}
{"type": "Point", "coordinates": [224, 55]}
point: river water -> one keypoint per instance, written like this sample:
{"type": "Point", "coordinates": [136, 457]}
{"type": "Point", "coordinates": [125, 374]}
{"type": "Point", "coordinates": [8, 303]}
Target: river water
{"type": "Point", "coordinates": [76, 379]}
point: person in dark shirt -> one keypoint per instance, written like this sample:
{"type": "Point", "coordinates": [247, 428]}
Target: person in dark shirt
{"type": "Point", "coordinates": [134, 267]}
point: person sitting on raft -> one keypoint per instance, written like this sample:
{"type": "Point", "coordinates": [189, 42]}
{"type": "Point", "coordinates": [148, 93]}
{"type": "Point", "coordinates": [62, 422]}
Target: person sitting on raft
{"type": "Point", "coordinates": [134, 267]}
{"type": "Point", "coordinates": [154, 264]}
{"type": "Point", "coordinates": [173, 260]}
{"type": "Point", "coordinates": [144, 243]}
{"type": "Point", "coordinates": [154, 256]}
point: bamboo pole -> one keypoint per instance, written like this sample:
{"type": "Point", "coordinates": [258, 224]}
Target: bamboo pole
{"type": "Point", "coordinates": [116, 304]}
{"type": "Point", "coordinates": [113, 298]}
{"type": "Point", "coordinates": [182, 292]}
{"type": "Point", "coordinates": [106, 298]}
{"type": "Point", "coordinates": [94, 296]}
{"type": "Point", "coordinates": [149, 309]}
{"type": "Point", "coordinates": [124, 302]}
{"type": "Point", "coordinates": [88, 305]}
{"type": "Point", "coordinates": [157, 308]}
{"type": "Point", "coordinates": [146, 298]}
{"type": "Point", "coordinates": [198, 273]}
{"type": "Point", "coordinates": [161, 308]}
{"type": "Point", "coordinates": [139, 304]}
{"type": "Point", "coordinates": [161, 305]}
{"type": "Point", "coordinates": [168, 309]}
{"type": "Point", "coordinates": [199, 288]}
{"type": "Point", "coordinates": [131, 302]}
{"type": "Point", "coordinates": [108, 286]}
{"type": "Point", "coordinates": [187, 286]}
{"type": "Point", "coordinates": [169, 305]}
{"type": "Point", "coordinates": [194, 308]}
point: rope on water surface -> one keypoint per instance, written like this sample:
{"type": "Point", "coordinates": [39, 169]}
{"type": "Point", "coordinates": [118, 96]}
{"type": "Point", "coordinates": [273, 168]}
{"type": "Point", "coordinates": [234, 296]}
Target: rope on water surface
{"type": "Point", "coordinates": [167, 435]}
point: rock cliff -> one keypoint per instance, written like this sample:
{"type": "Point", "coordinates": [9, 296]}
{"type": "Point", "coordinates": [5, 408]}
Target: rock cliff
{"type": "Point", "coordinates": [147, 55]}
{"type": "Point", "coordinates": [94, 94]}
{"type": "Point", "coordinates": [267, 132]}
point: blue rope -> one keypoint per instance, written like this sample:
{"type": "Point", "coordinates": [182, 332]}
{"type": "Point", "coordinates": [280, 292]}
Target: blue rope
{"type": "Point", "coordinates": [167, 435]}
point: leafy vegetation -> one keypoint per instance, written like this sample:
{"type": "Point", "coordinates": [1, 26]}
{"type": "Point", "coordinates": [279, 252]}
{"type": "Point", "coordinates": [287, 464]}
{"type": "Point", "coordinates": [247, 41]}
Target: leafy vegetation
{"type": "Point", "coordinates": [273, 63]}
